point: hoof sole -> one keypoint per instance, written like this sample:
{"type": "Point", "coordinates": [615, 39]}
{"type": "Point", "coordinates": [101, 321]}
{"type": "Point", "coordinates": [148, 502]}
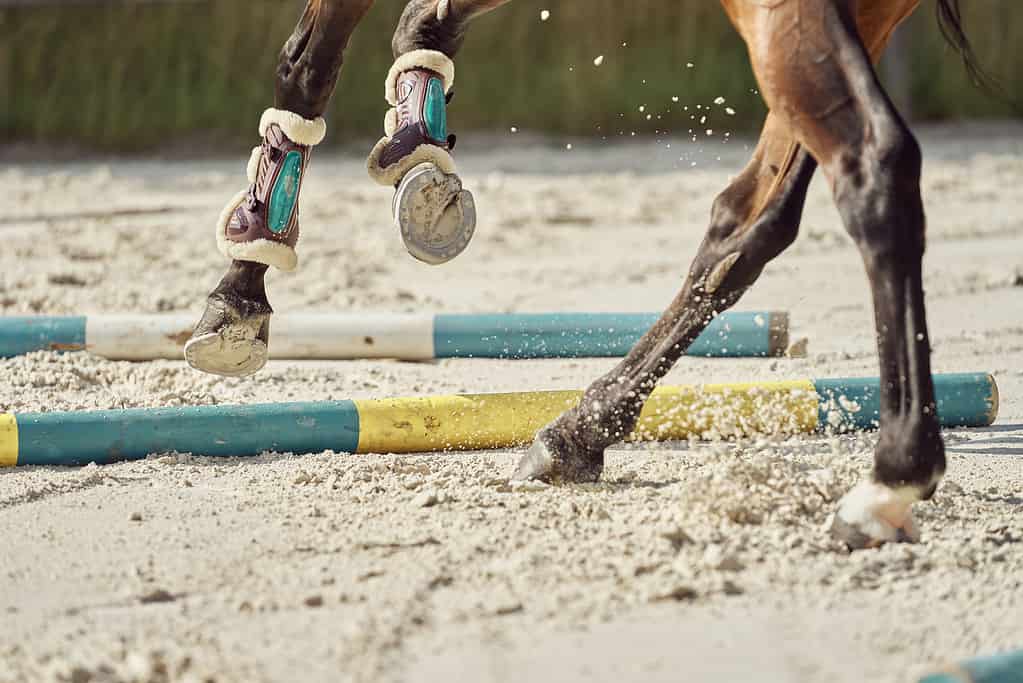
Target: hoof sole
{"type": "Point", "coordinates": [436, 217]}
{"type": "Point", "coordinates": [234, 350]}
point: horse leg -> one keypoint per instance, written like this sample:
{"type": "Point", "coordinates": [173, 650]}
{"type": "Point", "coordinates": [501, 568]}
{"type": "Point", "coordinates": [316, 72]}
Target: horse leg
{"type": "Point", "coordinates": [259, 227]}
{"type": "Point", "coordinates": [435, 215]}
{"type": "Point", "coordinates": [831, 96]}
{"type": "Point", "coordinates": [826, 93]}
{"type": "Point", "coordinates": [752, 221]}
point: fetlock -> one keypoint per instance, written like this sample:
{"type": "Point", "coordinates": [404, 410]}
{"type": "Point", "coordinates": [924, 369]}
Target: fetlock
{"type": "Point", "coordinates": [910, 453]}
{"type": "Point", "coordinates": [261, 223]}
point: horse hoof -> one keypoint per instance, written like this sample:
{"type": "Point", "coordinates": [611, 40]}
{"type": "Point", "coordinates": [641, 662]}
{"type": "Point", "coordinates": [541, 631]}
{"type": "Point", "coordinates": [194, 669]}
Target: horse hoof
{"type": "Point", "coordinates": [555, 460]}
{"type": "Point", "coordinates": [873, 514]}
{"type": "Point", "coordinates": [436, 217]}
{"type": "Point", "coordinates": [227, 343]}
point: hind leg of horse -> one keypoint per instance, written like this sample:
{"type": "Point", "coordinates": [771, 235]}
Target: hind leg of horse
{"type": "Point", "coordinates": [816, 75]}
{"type": "Point", "coordinates": [259, 227]}
{"type": "Point", "coordinates": [752, 221]}
{"type": "Point", "coordinates": [434, 214]}
{"type": "Point", "coordinates": [830, 96]}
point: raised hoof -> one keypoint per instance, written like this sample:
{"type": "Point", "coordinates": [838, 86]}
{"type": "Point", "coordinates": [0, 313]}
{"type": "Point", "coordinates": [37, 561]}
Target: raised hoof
{"type": "Point", "coordinates": [436, 217]}
{"type": "Point", "coordinates": [555, 460]}
{"type": "Point", "coordinates": [873, 514]}
{"type": "Point", "coordinates": [227, 342]}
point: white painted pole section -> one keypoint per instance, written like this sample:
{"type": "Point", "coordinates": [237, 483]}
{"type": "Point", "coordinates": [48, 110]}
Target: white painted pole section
{"type": "Point", "coordinates": [138, 337]}
{"type": "Point", "coordinates": [299, 336]}
{"type": "Point", "coordinates": [408, 336]}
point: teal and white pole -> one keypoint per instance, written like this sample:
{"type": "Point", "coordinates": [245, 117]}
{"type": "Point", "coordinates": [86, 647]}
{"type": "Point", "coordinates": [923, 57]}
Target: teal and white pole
{"type": "Point", "coordinates": [401, 336]}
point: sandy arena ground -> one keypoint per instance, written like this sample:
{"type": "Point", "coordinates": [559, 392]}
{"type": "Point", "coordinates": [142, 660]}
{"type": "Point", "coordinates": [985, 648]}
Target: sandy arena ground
{"type": "Point", "coordinates": [688, 562]}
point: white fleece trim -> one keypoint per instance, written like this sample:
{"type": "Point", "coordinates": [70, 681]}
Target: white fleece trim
{"type": "Point", "coordinates": [391, 122]}
{"type": "Point", "coordinates": [261, 251]}
{"type": "Point", "coordinates": [299, 130]}
{"type": "Point", "coordinates": [418, 59]}
{"type": "Point", "coordinates": [393, 174]}
{"type": "Point", "coordinates": [223, 244]}
{"type": "Point", "coordinates": [275, 254]}
{"type": "Point", "coordinates": [252, 168]}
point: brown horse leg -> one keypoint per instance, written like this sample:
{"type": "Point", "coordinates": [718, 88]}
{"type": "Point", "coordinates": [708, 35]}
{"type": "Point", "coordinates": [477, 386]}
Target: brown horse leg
{"type": "Point", "coordinates": [752, 221]}
{"type": "Point", "coordinates": [434, 214]}
{"type": "Point", "coordinates": [831, 97]}
{"type": "Point", "coordinates": [825, 91]}
{"type": "Point", "coordinates": [437, 24]}
{"type": "Point", "coordinates": [235, 324]}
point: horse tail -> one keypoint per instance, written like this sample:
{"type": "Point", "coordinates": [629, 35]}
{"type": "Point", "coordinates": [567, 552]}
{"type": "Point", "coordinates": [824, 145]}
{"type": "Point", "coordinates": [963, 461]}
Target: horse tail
{"type": "Point", "coordinates": [950, 21]}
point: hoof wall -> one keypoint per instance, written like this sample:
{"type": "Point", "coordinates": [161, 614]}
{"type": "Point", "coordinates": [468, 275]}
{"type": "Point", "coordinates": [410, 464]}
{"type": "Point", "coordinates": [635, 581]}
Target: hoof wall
{"type": "Point", "coordinates": [436, 217]}
{"type": "Point", "coordinates": [552, 460]}
{"type": "Point", "coordinates": [856, 539]}
{"type": "Point", "coordinates": [873, 514]}
{"type": "Point", "coordinates": [537, 463]}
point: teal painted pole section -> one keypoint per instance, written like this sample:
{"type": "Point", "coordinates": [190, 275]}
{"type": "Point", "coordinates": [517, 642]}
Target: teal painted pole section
{"type": "Point", "coordinates": [105, 436]}
{"type": "Point", "coordinates": [580, 335]}
{"type": "Point", "coordinates": [1003, 668]}
{"type": "Point", "coordinates": [40, 333]}
{"type": "Point", "coordinates": [964, 400]}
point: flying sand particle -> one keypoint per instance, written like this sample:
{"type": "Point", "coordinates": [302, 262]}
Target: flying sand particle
{"type": "Point", "coordinates": [599, 60]}
{"type": "Point", "coordinates": [545, 14]}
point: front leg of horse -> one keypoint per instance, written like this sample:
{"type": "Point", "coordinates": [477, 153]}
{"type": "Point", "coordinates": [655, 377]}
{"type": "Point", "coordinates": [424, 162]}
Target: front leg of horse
{"type": "Point", "coordinates": [435, 215]}
{"type": "Point", "coordinates": [259, 227]}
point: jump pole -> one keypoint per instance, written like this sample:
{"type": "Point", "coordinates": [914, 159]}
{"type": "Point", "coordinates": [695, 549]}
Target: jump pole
{"type": "Point", "coordinates": [1001, 668]}
{"type": "Point", "coordinates": [463, 422]}
{"type": "Point", "coordinates": [402, 336]}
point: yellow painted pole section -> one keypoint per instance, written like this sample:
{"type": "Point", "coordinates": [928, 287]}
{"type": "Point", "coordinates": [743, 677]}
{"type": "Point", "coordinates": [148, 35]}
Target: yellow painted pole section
{"type": "Point", "coordinates": [481, 421]}
{"type": "Point", "coordinates": [8, 440]}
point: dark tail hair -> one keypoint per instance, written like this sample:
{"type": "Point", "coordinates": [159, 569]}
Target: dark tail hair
{"type": "Point", "coordinates": [950, 21]}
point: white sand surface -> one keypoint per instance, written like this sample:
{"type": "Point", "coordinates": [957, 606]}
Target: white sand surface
{"type": "Point", "coordinates": [691, 561]}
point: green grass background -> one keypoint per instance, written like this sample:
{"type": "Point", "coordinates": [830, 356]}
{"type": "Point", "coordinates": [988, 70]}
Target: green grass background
{"type": "Point", "coordinates": [124, 76]}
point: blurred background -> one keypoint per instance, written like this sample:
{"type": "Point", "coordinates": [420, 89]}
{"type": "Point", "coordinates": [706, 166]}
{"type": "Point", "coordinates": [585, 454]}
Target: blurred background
{"type": "Point", "coordinates": [193, 75]}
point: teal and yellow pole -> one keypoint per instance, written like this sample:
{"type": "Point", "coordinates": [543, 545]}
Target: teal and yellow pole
{"type": "Point", "coordinates": [464, 422]}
